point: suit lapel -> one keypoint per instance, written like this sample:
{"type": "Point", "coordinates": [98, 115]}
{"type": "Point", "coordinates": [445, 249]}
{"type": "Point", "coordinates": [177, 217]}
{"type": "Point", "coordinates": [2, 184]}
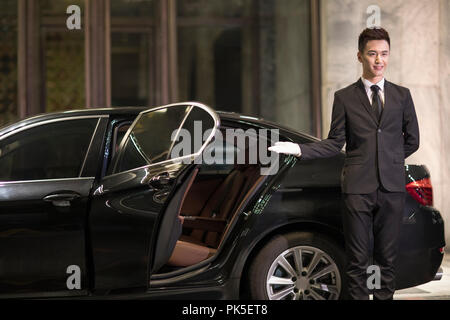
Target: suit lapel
{"type": "Point", "coordinates": [361, 92]}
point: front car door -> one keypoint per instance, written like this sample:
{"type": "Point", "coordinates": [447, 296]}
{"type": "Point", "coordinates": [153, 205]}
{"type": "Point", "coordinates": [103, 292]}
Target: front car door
{"type": "Point", "coordinates": [136, 203]}
{"type": "Point", "coordinates": [44, 191]}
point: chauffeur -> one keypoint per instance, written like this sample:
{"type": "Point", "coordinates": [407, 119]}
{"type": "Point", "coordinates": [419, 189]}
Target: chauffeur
{"type": "Point", "coordinates": [377, 121]}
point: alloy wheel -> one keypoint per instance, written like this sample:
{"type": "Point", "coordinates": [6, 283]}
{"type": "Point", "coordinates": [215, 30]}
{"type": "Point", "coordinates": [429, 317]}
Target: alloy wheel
{"type": "Point", "coordinates": [303, 273]}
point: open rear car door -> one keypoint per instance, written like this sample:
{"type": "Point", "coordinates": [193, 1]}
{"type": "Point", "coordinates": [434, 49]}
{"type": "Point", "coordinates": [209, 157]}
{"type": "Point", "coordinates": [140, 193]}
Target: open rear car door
{"type": "Point", "coordinates": [134, 215]}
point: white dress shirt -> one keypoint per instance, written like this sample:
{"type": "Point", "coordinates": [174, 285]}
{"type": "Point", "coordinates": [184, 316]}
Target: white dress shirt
{"type": "Point", "coordinates": [368, 84]}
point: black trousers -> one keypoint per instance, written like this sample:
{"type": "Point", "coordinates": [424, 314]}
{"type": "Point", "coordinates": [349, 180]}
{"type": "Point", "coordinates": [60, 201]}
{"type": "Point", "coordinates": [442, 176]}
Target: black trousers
{"type": "Point", "coordinates": [377, 215]}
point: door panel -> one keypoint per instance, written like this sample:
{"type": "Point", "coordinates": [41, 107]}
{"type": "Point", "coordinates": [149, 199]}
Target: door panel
{"type": "Point", "coordinates": [43, 207]}
{"type": "Point", "coordinates": [40, 239]}
{"type": "Point", "coordinates": [170, 225]}
{"type": "Point", "coordinates": [130, 205]}
{"type": "Point", "coordinates": [124, 217]}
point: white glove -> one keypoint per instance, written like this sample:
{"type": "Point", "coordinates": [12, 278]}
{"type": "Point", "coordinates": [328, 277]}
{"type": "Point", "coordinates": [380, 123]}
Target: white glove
{"type": "Point", "coordinates": [286, 148]}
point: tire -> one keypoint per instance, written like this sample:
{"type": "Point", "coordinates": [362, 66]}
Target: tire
{"type": "Point", "coordinates": [275, 272]}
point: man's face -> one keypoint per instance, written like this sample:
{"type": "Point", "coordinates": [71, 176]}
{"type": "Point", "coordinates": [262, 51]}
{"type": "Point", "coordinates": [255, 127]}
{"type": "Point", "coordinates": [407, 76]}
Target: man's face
{"type": "Point", "coordinates": [374, 59]}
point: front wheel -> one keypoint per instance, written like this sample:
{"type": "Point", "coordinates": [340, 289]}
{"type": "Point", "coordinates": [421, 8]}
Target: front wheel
{"type": "Point", "coordinates": [298, 266]}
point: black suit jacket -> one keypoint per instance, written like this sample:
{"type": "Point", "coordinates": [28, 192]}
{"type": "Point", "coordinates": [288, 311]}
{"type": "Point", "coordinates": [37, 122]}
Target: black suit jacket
{"type": "Point", "coordinates": [375, 150]}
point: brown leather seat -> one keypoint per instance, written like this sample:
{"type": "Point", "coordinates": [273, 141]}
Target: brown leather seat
{"type": "Point", "coordinates": [202, 243]}
{"type": "Point", "coordinates": [187, 254]}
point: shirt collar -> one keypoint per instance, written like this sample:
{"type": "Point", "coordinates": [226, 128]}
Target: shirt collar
{"type": "Point", "coordinates": [368, 84]}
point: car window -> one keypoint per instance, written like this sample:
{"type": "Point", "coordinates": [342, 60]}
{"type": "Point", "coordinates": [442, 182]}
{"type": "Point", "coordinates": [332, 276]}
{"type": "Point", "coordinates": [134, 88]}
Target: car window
{"type": "Point", "coordinates": [49, 151]}
{"type": "Point", "coordinates": [224, 151]}
{"type": "Point", "coordinates": [150, 140]}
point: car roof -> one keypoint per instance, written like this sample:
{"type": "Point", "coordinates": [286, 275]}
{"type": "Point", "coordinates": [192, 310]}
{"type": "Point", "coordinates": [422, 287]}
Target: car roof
{"type": "Point", "coordinates": [71, 113]}
{"type": "Point", "coordinates": [263, 123]}
{"type": "Point", "coordinates": [117, 111]}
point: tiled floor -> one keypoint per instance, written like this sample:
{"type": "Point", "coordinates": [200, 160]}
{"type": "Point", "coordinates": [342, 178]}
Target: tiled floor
{"type": "Point", "coordinates": [433, 290]}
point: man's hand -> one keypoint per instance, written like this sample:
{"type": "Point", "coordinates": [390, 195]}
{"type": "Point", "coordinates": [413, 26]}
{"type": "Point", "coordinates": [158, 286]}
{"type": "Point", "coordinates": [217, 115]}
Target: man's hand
{"type": "Point", "coordinates": [286, 148]}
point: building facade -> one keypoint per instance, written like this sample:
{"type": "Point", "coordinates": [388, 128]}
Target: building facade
{"type": "Point", "coordinates": [249, 56]}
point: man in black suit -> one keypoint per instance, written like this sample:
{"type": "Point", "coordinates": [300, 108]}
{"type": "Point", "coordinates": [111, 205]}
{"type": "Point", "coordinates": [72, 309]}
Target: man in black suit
{"type": "Point", "coordinates": [377, 121]}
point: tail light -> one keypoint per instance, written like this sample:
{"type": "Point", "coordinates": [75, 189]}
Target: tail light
{"type": "Point", "coordinates": [421, 191]}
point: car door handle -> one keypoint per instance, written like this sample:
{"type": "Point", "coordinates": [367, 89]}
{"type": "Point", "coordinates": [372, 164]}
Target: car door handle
{"type": "Point", "coordinates": [62, 199]}
{"type": "Point", "coordinates": [160, 181]}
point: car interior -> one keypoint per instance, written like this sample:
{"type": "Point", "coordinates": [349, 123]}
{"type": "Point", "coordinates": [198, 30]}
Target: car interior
{"type": "Point", "coordinates": [209, 206]}
{"type": "Point", "coordinates": [214, 196]}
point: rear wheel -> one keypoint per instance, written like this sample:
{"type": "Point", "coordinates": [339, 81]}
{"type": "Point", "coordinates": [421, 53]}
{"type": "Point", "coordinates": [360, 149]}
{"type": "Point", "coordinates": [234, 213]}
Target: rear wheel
{"type": "Point", "coordinates": [298, 266]}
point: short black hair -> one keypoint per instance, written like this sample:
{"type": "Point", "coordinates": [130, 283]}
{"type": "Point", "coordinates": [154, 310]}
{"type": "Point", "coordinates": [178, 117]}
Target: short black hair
{"type": "Point", "coordinates": [375, 33]}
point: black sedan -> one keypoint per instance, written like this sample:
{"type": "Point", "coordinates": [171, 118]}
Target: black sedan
{"type": "Point", "coordinates": [96, 203]}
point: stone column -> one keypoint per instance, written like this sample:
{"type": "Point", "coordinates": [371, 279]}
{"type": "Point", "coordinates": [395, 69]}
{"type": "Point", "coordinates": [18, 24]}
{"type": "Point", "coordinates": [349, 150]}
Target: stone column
{"type": "Point", "coordinates": [97, 54]}
{"type": "Point", "coordinates": [293, 69]}
{"type": "Point", "coordinates": [419, 60]}
{"type": "Point", "coordinates": [31, 100]}
{"type": "Point", "coordinates": [443, 204]}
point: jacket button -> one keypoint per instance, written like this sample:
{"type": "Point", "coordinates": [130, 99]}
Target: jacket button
{"type": "Point", "coordinates": [379, 130]}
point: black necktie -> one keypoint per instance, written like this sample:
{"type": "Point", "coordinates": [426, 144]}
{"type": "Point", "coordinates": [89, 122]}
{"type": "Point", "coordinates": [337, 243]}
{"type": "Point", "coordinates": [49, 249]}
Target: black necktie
{"type": "Point", "coordinates": [376, 101]}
